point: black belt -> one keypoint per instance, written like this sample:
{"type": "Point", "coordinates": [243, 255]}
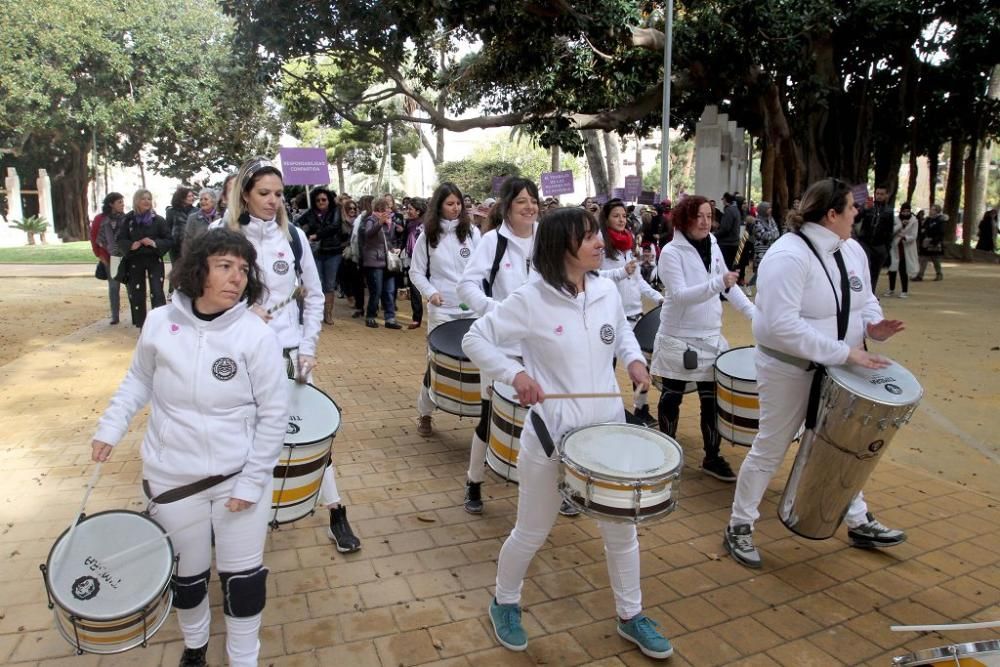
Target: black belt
{"type": "Point", "coordinates": [182, 492]}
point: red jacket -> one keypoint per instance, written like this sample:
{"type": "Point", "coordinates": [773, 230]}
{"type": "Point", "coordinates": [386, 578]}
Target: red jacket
{"type": "Point", "coordinates": [95, 227]}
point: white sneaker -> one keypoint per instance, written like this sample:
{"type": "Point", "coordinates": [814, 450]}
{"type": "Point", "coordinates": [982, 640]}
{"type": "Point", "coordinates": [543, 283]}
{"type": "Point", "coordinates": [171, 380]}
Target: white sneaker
{"type": "Point", "coordinates": [904, 295]}
{"type": "Point", "coordinates": [889, 293]}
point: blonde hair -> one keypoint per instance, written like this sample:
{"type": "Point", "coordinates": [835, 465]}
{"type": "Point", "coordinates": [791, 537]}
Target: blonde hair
{"type": "Point", "coordinates": [250, 172]}
{"type": "Point", "coordinates": [138, 194]}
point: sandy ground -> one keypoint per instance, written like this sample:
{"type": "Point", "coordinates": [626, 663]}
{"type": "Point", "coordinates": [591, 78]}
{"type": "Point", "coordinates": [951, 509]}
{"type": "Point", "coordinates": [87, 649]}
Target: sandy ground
{"type": "Point", "coordinates": [951, 343]}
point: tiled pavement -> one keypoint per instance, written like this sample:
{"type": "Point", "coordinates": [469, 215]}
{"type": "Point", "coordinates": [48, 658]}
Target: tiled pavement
{"type": "Point", "coordinates": [418, 590]}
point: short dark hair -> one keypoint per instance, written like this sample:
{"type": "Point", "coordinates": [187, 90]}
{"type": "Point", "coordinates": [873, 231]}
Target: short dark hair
{"type": "Point", "coordinates": [190, 273]}
{"type": "Point", "coordinates": [685, 215]}
{"type": "Point", "coordinates": [109, 201]}
{"type": "Point", "coordinates": [180, 197]}
{"type": "Point", "coordinates": [561, 231]}
{"type": "Point", "coordinates": [322, 191]}
{"type": "Point", "coordinates": [509, 191]}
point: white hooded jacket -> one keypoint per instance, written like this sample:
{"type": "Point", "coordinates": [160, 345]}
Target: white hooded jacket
{"type": "Point", "coordinates": [447, 263]}
{"type": "Point", "coordinates": [219, 398]}
{"type": "Point", "coordinates": [514, 271]}
{"type": "Point", "coordinates": [631, 288]}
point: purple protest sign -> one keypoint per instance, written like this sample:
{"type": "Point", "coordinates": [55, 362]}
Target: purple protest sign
{"type": "Point", "coordinates": [618, 193]}
{"type": "Point", "coordinates": [557, 183]}
{"type": "Point", "coordinates": [860, 194]}
{"type": "Point", "coordinates": [602, 199]}
{"type": "Point", "coordinates": [646, 197]}
{"type": "Point", "coordinates": [633, 185]}
{"type": "Point", "coordinates": [498, 183]}
{"type": "Point", "coordinates": [304, 166]}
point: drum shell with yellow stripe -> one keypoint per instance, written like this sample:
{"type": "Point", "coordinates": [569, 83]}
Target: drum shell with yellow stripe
{"type": "Point", "coordinates": [506, 421]}
{"type": "Point", "coordinates": [737, 399]}
{"type": "Point", "coordinates": [313, 422]}
{"type": "Point", "coordinates": [454, 379]}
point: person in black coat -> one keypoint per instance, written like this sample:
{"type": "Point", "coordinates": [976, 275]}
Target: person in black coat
{"type": "Point", "coordinates": [930, 242]}
{"type": "Point", "coordinates": [143, 240]}
{"type": "Point", "coordinates": [177, 214]}
{"type": "Point", "coordinates": [328, 237]}
{"type": "Point", "coordinates": [876, 233]}
{"type": "Point", "coordinates": [728, 236]}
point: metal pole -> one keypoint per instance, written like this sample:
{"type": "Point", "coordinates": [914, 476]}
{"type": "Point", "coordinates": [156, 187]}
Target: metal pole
{"type": "Point", "coordinates": [388, 162]}
{"type": "Point", "coordinates": [308, 199]}
{"type": "Point", "coordinates": [668, 38]}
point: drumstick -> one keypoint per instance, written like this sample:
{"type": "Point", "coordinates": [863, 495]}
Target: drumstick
{"type": "Point", "coordinates": [584, 395]}
{"type": "Point", "coordinates": [154, 540]}
{"type": "Point", "coordinates": [76, 517]}
{"type": "Point", "coordinates": [296, 293]}
{"type": "Point", "coordinates": [739, 253]}
{"type": "Point", "coordinates": [952, 626]}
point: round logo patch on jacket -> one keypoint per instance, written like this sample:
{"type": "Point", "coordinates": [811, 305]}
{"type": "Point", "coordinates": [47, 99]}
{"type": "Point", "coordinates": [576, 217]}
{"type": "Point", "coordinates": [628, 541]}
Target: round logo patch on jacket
{"type": "Point", "coordinates": [856, 284]}
{"type": "Point", "coordinates": [280, 267]}
{"type": "Point", "coordinates": [464, 253]}
{"type": "Point", "coordinates": [607, 334]}
{"type": "Point", "coordinates": [224, 369]}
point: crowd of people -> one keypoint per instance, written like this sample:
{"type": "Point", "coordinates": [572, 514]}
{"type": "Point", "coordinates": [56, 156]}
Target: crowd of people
{"type": "Point", "coordinates": [254, 281]}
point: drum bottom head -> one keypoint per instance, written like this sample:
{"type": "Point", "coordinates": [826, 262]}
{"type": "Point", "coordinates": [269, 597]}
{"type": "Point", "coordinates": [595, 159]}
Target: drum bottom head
{"type": "Point", "coordinates": [973, 654]}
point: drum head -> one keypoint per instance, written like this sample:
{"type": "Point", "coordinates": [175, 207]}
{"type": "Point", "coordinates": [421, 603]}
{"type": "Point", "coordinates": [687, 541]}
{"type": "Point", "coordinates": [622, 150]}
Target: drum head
{"type": "Point", "coordinates": [506, 392]}
{"type": "Point", "coordinates": [738, 363]}
{"type": "Point", "coordinates": [312, 415]}
{"type": "Point", "coordinates": [622, 450]}
{"type": "Point", "coordinates": [447, 338]}
{"type": "Point", "coordinates": [983, 653]}
{"type": "Point", "coordinates": [893, 385]}
{"type": "Point", "coordinates": [646, 328]}
{"type": "Point", "coordinates": [84, 585]}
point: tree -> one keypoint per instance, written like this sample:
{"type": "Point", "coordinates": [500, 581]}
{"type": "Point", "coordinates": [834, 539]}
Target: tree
{"type": "Point", "coordinates": [157, 85]}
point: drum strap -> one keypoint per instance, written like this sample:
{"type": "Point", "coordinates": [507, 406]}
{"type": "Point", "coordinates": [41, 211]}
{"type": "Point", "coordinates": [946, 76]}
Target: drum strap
{"type": "Point", "coordinates": [497, 256]}
{"type": "Point", "coordinates": [182, 492]}
{"type": "Point", "coordinates": [843, 314]}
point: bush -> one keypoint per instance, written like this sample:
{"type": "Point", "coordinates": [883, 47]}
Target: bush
{"type": "Point", "coordinates": [32, 225]}
{"type": "Point", "coordinates": [475, 177]}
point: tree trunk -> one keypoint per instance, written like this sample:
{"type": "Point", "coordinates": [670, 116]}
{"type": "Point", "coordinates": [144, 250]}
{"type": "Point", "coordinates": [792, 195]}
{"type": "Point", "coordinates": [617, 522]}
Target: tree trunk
{"type": "Point", "coordinates": [556, 157]}
{"type": "Point", "coordinates": [638, 157]}
{"type": "Point", "coordinates": [142, 171]}
{"type": "Point", "coordinates": [69, 195]}
{"type": "Point", "coordinates": [934, 164]}
{"type": "Point", "coordinates": [612, 152]}
{"type": "Point", "coordinates": [340, 175]}
{"type": "Point", "coordinates": [767, 159]}
{"type": "Point", "coordinates": [953, 188]}
{"type": "Point", "coordinates": [968, 212]}
{"type": "Point", "coordinates": [975, 197]}
{"type": "Point", "coordinates": [598, 170]}
{"type": "Point", "coordinates": [911, 177]}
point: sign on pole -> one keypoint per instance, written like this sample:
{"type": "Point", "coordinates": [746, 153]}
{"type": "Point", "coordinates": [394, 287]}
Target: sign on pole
{"type": "Point", "coordinates": [633, 186]}
{"type": "Point", "coordinates": [618, 193]}
{"type": "Point", "coordinates": [860, 194]}
{"type": "Point", "coordinates": [304, 166]}
{"type": "Point", "coordinates": [557, 183]}
{"type": "Point", "coordinates": [498, 183]}
{"type": "Point", "coordinates": [646, 197]}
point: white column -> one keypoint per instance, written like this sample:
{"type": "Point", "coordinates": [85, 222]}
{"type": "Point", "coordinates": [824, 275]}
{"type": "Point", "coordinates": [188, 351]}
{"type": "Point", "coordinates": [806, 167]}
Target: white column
{"type": "Point", "coordinates": [13, 186]}
{"type": "Point", "coordinates": [708, 154]}
{"type": "Point", "coordinates": [45, 209]}
{"type": "Point", "coordinates": [738, 179]}
{"type": "Point", "coordinates": [725, 158]}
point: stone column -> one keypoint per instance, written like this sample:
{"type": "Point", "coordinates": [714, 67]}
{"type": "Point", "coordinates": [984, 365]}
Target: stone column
{"type": "Point", "coordinates": [45, 209]}
{"type": "Point", "coordinates": [13, 186]}
{"type": "Point", "coordinates": [708, 154]}
{"type": "Point", "coordinates": [738, 179]}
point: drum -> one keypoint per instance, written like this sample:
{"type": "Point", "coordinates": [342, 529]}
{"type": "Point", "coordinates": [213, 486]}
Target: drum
{"type": "Point", "coordinates": [506, 420]}
{"type": "Point", "coordinates": [737, 403]}
{"type": "Point", "coordinates": [454, 379]}
{"type": "Point", "coordinates": [313, 422]}
{"type": "Point", "coordinates": [110, 607]}
{"type": "Point", "coordinates": [645, 333]}
{"type": "Point", "coordinates": [860, 411]}
{"type": "Point", "coordinates": [620, 472]}
{"type": "Point", "coordinates": [973, 654]}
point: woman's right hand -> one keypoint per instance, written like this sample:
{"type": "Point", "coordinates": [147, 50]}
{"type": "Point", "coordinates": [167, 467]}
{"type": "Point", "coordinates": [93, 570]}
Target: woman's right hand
{"type": "Point", "coordinates": [100, 451]}
{"type": "Point", "coordinates": [630, 268]}
{"type": "Point", "coordinates": [860, 357]}
{"type": "Point", "coordinates": [135, 246]}
{"type": "Point", "coordinates": [528, 391]}
{"type": "Point", "coordinates": [729, 278]}
{"type": "Point", "coordinates": [436, 299]}
{"type": "Point", "coordinates": [262, 313]}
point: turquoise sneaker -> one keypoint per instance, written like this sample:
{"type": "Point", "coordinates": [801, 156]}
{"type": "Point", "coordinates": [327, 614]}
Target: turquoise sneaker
{"type": "Point", "coordinates": [641, 631]}
{"type": "Point", "coordinates": [506, 619]}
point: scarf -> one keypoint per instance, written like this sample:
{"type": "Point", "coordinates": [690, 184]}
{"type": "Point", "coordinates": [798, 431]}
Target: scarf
{"type": "Point", "coordinates": [623, 241]}
{"type": "Point", "coordinates": [145, 218]}
{"type": "Point", "coordinates": [704, 248]}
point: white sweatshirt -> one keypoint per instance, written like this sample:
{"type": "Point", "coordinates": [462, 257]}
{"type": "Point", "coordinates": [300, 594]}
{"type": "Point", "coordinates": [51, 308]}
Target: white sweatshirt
{"type": "Point", "coordinates": [567, 345]}
{"type": "Point", "coordinates": [514, 271]}
{"type": "Point", "coordinates": [631, 288]}
{"type": "Point", "coordinates": [797, 313]}
{"type": "Point", "coordinates": [691, 307]}
{"type": "Point", "coordinates": [219, 398]}
{"type": "Point", "coordinates": [277, 266]}
{"type": "Point", "coordinates": [447, 263]}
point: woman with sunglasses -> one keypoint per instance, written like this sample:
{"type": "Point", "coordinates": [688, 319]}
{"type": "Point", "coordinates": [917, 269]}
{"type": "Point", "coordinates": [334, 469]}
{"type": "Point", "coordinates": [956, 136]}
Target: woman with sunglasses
{"type": "Point", "coordinates": [322, 225]}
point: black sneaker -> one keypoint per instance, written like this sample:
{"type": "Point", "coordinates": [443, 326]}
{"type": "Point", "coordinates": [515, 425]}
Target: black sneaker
{"type": "Point", "coordinates": [393, 324]}
{"type": "Point", "coordinates": [718, 468]}
{"type": "Point", "coordinates": [738, 541]}
{"type": "Point", "coordinates": [340, 532]}
{"type": "Point", "coordinates": [370, 322]}
{"type": "Point", "coordinates": [357, 313]}
{"type": "Point", "coordinates": [643, 417]}
{"type": "Point", "coordinates": [474, 497]}
{"type": "Point", "coordinates": [873, 535]}
{"type": "Point", "coordinates": [194, 657]}
{"type": "Point", "coordinates": [568, 509]}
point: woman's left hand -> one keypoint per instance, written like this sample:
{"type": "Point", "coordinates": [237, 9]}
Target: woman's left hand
{"type": "Point", "coordinates": [638, 374]}
{"type": "Point", "coordinates": [885, 329]}
{"type": "Point", "coordinates": [306, 364]}
{"type": "Point", "coordinates": [237, 505]}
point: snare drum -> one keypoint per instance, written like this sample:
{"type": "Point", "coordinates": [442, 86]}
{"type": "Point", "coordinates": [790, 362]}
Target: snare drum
{"type": "Point", "coordinates": [110, 607]}
{"type": "Point", "coordinates": [737, 414]}
{"type": "Point", "coordinates": [506, 421]}
{"type": "Point", "coordinates": [454, 379]}
{"type": "Point", "coordinates": [313, 422]}
{"type": "Point", "coordinates": [973, 654]}
{"type": "Point", "coordinates": [645, 334]}
{"type": "Point", "coordinates": [620, 472]}
{"type": "Point", "coordinates": [860, 411]}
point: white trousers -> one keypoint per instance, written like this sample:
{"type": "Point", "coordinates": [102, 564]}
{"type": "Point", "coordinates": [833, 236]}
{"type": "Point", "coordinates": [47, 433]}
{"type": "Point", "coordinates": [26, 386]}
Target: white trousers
{"type": "Point", "coordinates": [784, 398]}
{"type": "Point", "coordinates": [537, 508]}
{"type": "Point", "coordinates": [239, 546]}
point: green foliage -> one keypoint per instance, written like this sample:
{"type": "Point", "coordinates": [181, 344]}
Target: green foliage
{"type": "Point", "coordinates": [32, 225]}
{"type": "Point", "coordinates": [474, 176]}
{"type": "Point", "coordinates": [79, 252]}
{"type": "Point", "coordinates": [530, 160]}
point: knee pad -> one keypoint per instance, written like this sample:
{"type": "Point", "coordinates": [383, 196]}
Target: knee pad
{"type": "Point", "coordinates": [483, 427]}
{"type": "Point", "coordinates": [244, 593]}
{"type": "Point", "coordinates": [190, 591]}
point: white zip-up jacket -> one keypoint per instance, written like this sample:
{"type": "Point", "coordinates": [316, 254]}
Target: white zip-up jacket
{"type": "Point", "coordinates": [219, 398]}
{"type": "Point", "coordinates": [447, 263]}
{"type": "Point", "coordinates": [567, 345]}
{"type": "Point", "coordinates": [277, 267]}
{"type": "Point", "coordinates": [631, 288]}
{"type": "Point", "coordinates": [514, 271]}
{"type": "Point", "coordinates": [797, 312]}
{"type": "Point", "coordinates": [691, 306]}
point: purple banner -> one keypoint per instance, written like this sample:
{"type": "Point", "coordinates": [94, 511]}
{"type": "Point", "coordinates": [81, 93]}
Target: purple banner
{"type": "Point", "coordinates": [557, 183]}
{"type": "Point", "coordinates": [498, 183]}
{"type": "Point", "coordinates": [633, 186]}
{"type": "Point", "coordinates": [602, 199]}
{"type": "Point", "coordinates": [646, 197]}
{"type": "Point", "coordinates": [860, 193]}
{"type": "Point", "coordinates": [618, 193]}
{"type": "Point", "coordinates": [304, 166]}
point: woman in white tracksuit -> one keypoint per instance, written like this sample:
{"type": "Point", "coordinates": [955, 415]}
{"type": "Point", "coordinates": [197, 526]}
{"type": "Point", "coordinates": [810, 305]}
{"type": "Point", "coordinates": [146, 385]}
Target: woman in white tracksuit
{"type": "Point", "coordinates": [903, 258]}
{"type": "Point", "coordinates": [621, 266]}
{"type": "Point", "coordinates": [219, 409]}
{"type": "Point", "coordinates": [257, 210]}
{"type": "Point", "coordinates": [501, 263]}
{"type": "Point", "coordinates": [440, 254]}
{"type": "Point", "coordinates": [569, 327]}
{"type": "Point", "coordinates": [798, 298]}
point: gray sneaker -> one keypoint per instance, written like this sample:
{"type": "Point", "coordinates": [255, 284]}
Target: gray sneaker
{"type": "Point", "coordinates": [873, 535]}
{"type": "Point", "coordinates": [738, 541]}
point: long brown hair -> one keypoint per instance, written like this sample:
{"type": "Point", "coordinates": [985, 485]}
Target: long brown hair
{"type": "Point", "coordinates": [432, 216]}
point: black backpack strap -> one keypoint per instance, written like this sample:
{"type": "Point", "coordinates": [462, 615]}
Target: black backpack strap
{"type": "Point", "coordinates": [497, 257]}
{"type": "Point", "coordinates": [427, 243]}
{"type": "Point", "coordinates": [296, 244]}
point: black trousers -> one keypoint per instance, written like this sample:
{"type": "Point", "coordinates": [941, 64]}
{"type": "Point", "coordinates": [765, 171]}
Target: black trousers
{"type": "Point", "coordinates": [877, 255]}
{"type": "Point", "coordinates": [669, 410]}
{"type": "Point", "coordinates": [143, 270]}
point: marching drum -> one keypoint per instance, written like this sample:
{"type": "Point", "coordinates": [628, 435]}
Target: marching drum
{"type": "Point", "coordinates": [645, 334]}
{"type": "Point", "coordinates": [737, 402]}
{"type": "Point", "coordinates": [106, 605]}
{"type": "Point", "coordinates": [506, 421]}
{"type": "Point", "coordinates": [313, 422]}
{"type": "Point", "coordinates": [860, 410]}
{"type": "Point", "coordinates": [620, 472]}
{"type": "Point", "coordinates": [977, 654]}
{"type": "Point", "coordinates": [454, 379]}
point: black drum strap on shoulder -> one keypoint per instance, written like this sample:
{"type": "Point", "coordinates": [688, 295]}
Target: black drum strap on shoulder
{"type": "Point", "coordinates": [427, 243]}
{"type": "Point", "coordinates": [843, 315]}
{"type": "Point", "coordinates": [497, 256]}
